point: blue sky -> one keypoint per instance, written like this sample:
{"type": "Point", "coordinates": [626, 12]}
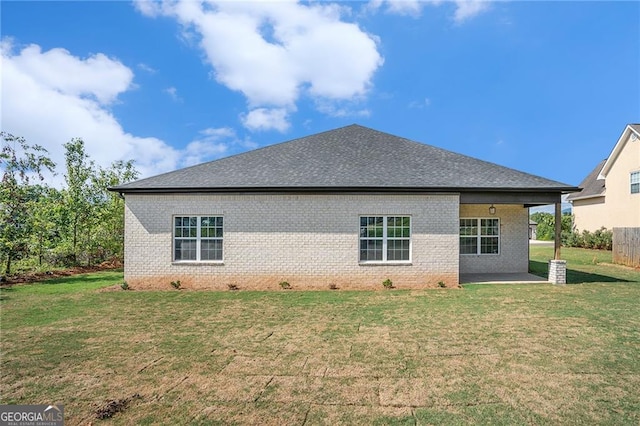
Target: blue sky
{"type": "Point", "coordinates": [543, 87]}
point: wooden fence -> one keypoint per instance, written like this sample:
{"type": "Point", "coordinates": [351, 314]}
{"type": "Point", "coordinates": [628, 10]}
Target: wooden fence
{"type": "Point", "coordinates": [626, 246]}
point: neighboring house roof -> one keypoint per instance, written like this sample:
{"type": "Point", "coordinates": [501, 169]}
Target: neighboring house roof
{"type": "Point", "coordinates": [591, 185]}
{"type": "Point", "coordinates": [348, 158]}
{"type": "Point", "coordinates": [632, 130]}
{"type": "Point", "coordinates": [594, 184]}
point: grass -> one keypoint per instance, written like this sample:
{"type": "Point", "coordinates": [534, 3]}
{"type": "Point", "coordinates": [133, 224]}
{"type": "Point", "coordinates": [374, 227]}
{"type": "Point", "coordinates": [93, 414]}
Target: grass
{"type": "Point", "coordinates": [510, 354]}
{"type": "Point", "coordinates": [583, 265]}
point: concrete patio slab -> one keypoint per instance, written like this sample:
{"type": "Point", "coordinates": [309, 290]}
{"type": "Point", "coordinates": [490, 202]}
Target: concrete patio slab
{"type": "Point", "coordinates": [519, 278]}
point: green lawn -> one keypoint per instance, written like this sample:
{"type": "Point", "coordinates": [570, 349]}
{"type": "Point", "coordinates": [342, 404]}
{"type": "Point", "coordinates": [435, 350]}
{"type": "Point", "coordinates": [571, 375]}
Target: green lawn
{"type": "Point", "coordinates": [503, 354]}
{"type": "Point", "coordinates": [583, 265]}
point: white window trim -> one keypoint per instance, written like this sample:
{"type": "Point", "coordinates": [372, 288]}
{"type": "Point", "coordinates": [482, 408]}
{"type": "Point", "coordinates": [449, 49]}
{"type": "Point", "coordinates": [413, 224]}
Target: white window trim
{"type": "Point", "coordinates": [198, 240]}
{"type": "Point", "coordinates": [384, 260]}
{"type": "Point", "coordinates": [631, 182]}
{"type": "Point", "coordinates": [479, 236]}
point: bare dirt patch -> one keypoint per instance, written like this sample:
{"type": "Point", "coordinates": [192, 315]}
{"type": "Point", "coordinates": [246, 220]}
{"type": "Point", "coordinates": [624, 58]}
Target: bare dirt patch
{"type": "Point", "coordinates": [111, 407]}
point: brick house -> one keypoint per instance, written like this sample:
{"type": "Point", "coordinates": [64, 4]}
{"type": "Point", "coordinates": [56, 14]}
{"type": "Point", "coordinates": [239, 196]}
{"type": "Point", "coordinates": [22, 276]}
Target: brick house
{"type": "Point", "coordinates": [351, 207]}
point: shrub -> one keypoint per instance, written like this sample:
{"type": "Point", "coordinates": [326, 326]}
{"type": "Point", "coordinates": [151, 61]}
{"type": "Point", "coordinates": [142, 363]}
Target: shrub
{"type": "Point", "coordinates": [233, 287]}
{"type": "Point", "coordinates": [285, 285]}
{"type": "Point", "coordinates": [602, 239]}
{"type": "Point", "coordinates": [333, 286]}
{"type": "Point", "coordinates": [441, 284]}
{"type": "Point", "coordinates": [387, 283]}
{"type": "Point", "coordinates": [572, 239]}
{"type": "Point", "coordinates": [125, 286]}
{"type": "Point", "coordinates": [176, 284]}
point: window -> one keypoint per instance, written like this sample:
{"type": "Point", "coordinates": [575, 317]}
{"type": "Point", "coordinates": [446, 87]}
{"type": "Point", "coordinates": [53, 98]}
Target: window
{"type": "Point", "coordinates": [635, 183]}
{"type": "Point", "coordinates": [480, 236]}
{"type": "Point", "coordinates": [385, 239]}
{"type": "Point", "coordinates": [197, 238]}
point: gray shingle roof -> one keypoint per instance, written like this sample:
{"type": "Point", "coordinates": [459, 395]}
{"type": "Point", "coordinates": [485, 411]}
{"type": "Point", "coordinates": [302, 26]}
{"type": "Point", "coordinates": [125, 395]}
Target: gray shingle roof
{"type": "Point", "coordinates": [591, 186]}
{"type": "Point", "coordinates": [351, 157]}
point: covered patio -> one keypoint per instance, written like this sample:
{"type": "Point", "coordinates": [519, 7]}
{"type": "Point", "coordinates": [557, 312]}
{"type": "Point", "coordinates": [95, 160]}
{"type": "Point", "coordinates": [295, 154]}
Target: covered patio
{"type": "Point", "coordinates": [502, 205]}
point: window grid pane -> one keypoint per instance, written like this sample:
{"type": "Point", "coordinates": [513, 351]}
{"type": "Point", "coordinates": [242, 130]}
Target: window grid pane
{"type": "Point", "coordinates": [468, 227]}
{"type": "Point", "coordinates": [370, 250]}
{"type": "Point", "coordinates": [185, 249]}
{"type": "Point", "coordinates": [185, 227]}
{"type": "Point", "coordinates": [211, 250]}
{"type": "Point", "coordinates": [468, 245]}
{"type": "Point", "coordinates": [398, 227]}
{"type": "Point", "coordinates": [373, 227]}
{"type": "Point", "coordinates": [211, 227]}
{"type": "Point", "coordinates": [489, 227]}
{"type": "Point", "coordinates": [398, 250]}
{"type": "Point", "coordinates": [489, 245]}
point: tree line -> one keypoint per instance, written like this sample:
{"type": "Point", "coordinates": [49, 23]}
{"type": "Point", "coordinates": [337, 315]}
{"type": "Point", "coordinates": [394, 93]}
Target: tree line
{"type": "Point", "coordinates": [44, 227]}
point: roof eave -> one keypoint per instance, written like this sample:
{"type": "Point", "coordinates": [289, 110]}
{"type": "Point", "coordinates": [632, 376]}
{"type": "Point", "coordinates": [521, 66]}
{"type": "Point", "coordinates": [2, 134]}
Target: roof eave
{"type": "Point", "coordinates": [316, 189]}
{"type": "Point", "coordinates": [586, 197]}
{"type": "Point", "coordinates": [622, 140]}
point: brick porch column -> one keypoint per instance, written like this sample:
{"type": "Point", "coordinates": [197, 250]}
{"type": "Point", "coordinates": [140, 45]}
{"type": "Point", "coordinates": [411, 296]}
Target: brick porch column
{"type": "Point", "coordinates": [557, 267]}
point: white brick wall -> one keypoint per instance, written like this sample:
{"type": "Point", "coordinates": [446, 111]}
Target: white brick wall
{"type": "Point", "coordinates": [310, 241]}
{"type": "Point", "coordinates": [514, 240]}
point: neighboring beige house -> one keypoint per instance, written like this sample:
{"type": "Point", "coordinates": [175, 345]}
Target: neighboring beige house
{"type": "Point", "coordinates": [610, 194]}
{"type": "Point", "coordinates": [351, 207]}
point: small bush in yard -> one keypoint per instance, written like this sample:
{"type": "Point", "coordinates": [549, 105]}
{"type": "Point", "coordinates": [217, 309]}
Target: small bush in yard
{"type": "Point", "coordinates": [441, 284]}
{"type": "Point", "coordinates": [333, 286]}
{"type": "Point", "coordinates": [285, 285]}
{"type": "Point", "coordinates": [601, 239]}
{"type": "Point", "coordinates": [176, 284]}
{"type": "Point", "coordinates": [125, 286]}
{"type": "Point", "coordinates": [233, 287]}
{"type": "Point", "coordinates": [387, 283]}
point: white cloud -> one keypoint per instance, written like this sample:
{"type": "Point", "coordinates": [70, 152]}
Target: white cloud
{"type": "Point", "coordinates": [54, 68]}
{"type": "Point", "coordinates": [149, 8]}
{"type": "Point", "coordinates": [218, 133]}
{"type": "Point", "coordinates": [464, 9]}
{"type": "Point", "coordinates": [147, 68]}
{"type": "Point", "coordinates": [405, 7]}
{"type": "Point", "coordinates": [266, 119]}
{"type": "Point", "coordinates": [200, 151]}
{"type": "Point", "coordinates": [467, 9]}
{"type": "Point", "coordinates": [41, 103]}
{"type": "Point", "coordinates": [213, 143]}
{"type": "Point", "coordinates": [338, 109]}
{"type": "Point", "coordinates": [420, 104]}
{"type": "Point", "coordinates": [275, 52]}
{"type": "Point", "coordinates": [173, 94]}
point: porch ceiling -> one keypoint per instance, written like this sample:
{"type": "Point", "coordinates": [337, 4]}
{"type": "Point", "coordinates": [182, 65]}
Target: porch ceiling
{"type": "Point", "coordinates": [528, 199]}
